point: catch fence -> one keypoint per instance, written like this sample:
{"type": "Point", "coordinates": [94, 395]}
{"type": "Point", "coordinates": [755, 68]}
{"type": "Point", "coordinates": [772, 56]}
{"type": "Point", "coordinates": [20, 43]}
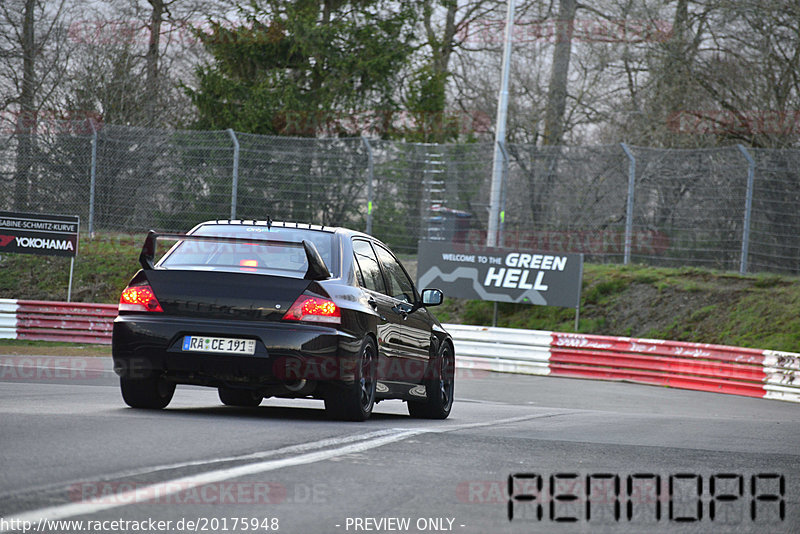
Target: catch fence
{"type": "Point", "coordinates": [731, 208]}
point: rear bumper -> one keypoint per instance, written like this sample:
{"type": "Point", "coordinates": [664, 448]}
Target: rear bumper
{"type": "Point", "coordinates": [285, 353]}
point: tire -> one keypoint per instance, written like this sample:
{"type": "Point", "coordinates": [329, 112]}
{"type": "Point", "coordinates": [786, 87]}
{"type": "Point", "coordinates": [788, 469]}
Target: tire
{"type": "Point", "coordinates": [438, 389]}
{"type": "Point", "coordinates": [152, 392]}
{"type": "Point", "coordinates": [355, 401]}
{"type": "Point", "coordinates": [245, 398]}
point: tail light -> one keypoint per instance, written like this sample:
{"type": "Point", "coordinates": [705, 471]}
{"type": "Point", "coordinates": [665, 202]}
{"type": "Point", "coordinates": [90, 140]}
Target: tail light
{"type": "Point", "coordinates": [314, 309]}
{"type": "Point", "coordinates": [140, 299]}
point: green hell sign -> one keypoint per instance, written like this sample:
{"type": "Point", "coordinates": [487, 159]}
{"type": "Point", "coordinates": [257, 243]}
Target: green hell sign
{"type": "Point", "coordinates": [501, 275]}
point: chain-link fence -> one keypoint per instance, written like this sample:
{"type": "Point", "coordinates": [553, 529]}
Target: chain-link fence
{"type": "Point", "coordinates": [729, 208]}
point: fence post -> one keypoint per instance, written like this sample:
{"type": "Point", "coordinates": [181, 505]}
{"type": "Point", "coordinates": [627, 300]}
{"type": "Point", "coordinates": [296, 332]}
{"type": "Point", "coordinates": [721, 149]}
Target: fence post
{"type": "Point", "coordinates": [92, 178]}
{"type": "Point", "coordinates": [503, 187]}
{"type": "Point", "coordinates": [235, 186]}
{"type": "Point", "coordinates": [629, 207]}
{"type": "Point", "coordinates": [748, 208]}
{"type": "Point", "coordinates": [370, 178]}
{"type": "Point", "coordinates": [500, 130]}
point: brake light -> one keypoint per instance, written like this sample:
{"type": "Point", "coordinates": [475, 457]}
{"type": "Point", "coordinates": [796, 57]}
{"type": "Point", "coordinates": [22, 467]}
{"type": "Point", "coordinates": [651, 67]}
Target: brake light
{"type": "Point", "coordinates": [314, 309]}
{"type": "Point", "coordinates": [248, 265]}
{"type": "Point", "coordinates": [139, 298]}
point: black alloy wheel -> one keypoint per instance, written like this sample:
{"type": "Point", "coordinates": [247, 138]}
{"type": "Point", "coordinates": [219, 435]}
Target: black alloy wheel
{"type": "Point", "coordinates": [439, 388]}
{"type": "Point", "coordinates": [355, 402]}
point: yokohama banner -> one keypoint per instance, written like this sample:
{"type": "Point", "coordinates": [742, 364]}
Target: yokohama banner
{"type": "Point", "coordinates": [501, 275]}
{"type": "Point", "coordinates": [38, 233]}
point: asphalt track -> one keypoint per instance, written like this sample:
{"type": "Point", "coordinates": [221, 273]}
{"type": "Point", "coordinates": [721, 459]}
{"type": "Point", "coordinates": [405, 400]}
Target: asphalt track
{"type": "Point", "coordinates": [576, 456]}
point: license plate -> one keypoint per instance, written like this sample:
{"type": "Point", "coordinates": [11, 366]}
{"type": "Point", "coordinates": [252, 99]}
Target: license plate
{"type": "Point", "coordinates": [224, 345]}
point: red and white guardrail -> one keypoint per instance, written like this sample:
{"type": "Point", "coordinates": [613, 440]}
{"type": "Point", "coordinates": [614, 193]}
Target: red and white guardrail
{"type": "Point", "coordinates": [74, 322]}
{"type": "Point", "coordinates": [717, 368]}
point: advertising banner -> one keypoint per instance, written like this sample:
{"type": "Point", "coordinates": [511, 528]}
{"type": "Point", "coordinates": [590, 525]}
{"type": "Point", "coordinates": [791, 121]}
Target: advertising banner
{"type": "Point", "coordinates": [39, 233]}
{"type": "Point", "coordinates": [500, 274]}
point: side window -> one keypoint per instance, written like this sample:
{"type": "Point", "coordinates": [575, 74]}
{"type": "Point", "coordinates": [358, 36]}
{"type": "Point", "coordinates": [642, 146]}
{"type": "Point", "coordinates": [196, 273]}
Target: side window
{"type": "Point", "coordinates": [401, 286]}
{"type": "Point", "coordinates": [371, 276]}
{"type": "Point", "coordinates": [359, 276]}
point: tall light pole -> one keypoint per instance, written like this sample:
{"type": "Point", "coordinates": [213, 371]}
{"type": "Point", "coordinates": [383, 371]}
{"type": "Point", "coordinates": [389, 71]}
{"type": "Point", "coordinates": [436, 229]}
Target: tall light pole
{"type": "Point", "coordinates": [500, 134]}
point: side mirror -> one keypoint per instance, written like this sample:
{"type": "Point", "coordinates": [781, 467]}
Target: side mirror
{"type": "Point", "coordinates": [432, 297]}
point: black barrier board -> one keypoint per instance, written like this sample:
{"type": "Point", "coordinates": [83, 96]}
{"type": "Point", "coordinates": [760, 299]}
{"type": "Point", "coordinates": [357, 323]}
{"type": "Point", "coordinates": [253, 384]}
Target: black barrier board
{"type": "Point", "coordinates": [39, 233]}
{"type": "Point", "coordinates": [500, 274]}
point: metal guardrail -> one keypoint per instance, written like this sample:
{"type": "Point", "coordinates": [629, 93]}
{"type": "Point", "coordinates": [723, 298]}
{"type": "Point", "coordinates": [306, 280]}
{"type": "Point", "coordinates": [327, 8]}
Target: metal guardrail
{"type": "Point", "coordinates": [504, 350]}
{"type": "Point", "coordinates": [697, 366]}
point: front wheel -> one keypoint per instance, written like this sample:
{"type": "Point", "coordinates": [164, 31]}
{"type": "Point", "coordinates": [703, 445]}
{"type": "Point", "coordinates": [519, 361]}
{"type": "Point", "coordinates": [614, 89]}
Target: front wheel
{"type": "Point", "coordinates": [438, 389]}
{"type": "Point", "coordinates": [355, 402]}
{"type": "Point", "coordinates": [152, 392]}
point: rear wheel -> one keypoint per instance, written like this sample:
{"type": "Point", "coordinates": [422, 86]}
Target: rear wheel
{"type": "Point", "coordinates": [438, 389]}
{"type": "Point", "coordinates": [152, 392]}
{"type": "Point", "coordinates": [355, 402]}
{"type": "Point", "coordinates": [239, 397]}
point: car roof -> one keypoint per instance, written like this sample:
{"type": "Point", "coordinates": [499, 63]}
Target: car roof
{"type": "Point", "coordinates": [286, 224]}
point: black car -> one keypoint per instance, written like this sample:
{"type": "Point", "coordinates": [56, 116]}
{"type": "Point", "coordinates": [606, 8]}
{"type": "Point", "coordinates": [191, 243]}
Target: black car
{"type": "Point", "coordinates": [262, 308]}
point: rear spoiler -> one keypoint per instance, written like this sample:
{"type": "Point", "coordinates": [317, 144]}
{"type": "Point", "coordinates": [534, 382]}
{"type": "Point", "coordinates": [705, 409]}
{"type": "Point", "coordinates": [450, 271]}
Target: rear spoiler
{"type": "Point", "coordinates": [317, 270]}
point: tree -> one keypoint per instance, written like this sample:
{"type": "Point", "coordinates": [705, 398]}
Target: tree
{"type": "Point", "coordinates": [758, 45]}
{"type": "Point", "coordinates": [727, 72]}
{"type": "Point", "coordinates": [305, 68]}
{"type": "Point", "coordinates": [33, 45]}
{"type": "Point", "coordinates": [129, 64]}
{"type": "Point", "coordinates": [660, 76]}
{"type": "Point", "coordinates": [153, 54]}
{"type": "Point", "coordinates": [453, 91]}
{"type": "Point", "coordinates": [445, 26]}
{"type": "Point", "coordinates": [557, 92]}
{"type": "Point", "coordinates": [27, 103]}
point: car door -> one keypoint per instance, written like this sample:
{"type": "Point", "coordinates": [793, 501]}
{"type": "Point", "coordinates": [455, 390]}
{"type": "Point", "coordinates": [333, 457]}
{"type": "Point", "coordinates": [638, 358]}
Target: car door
{"type": "Point", "coordinates": [413, 344]}
{"type": "Point", "coordinates": [370, 277]}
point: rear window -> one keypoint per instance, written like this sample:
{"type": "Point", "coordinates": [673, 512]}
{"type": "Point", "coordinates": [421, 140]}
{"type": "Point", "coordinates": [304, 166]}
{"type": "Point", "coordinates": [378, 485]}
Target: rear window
{"type": "Point", "coordinates": [283, 255]}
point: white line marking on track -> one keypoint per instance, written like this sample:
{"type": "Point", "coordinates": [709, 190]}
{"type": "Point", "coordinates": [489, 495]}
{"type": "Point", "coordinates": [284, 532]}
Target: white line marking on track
{"type": "Point", "coordinates": [290, 449]}
{"type": "Point", "coordinates": [167, 488]}
{"type": "Point", "coordinates": [170, 487]}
